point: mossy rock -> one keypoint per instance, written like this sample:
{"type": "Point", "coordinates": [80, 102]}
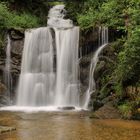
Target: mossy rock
{"type": "Point", "coordinates": [4, 129]}
{"type": "Point", "coordinates": [93, 116]}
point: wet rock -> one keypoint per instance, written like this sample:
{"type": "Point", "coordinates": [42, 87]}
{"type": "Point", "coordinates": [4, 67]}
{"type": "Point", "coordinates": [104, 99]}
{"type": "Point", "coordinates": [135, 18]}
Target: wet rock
{"type": "Point", "coordinates": [17, 47]}
{"type": "Point", "coordinates": [1, 62]}
{"type": "Point", "coordinates": [108, 111]}
{"type": "Point", "coordinates": [136, 115]}
{"type": "Point", "coordinates": [89, 41]}
{"type": "Point", "coordinates": [84, 64]}
{"type": "Point", "coordinates": [132, 92]}
{"type": "Point", "coordinates": [67, 108]}
{"type": "Point", "coordinates": [4, 100]}
{"type": "Point", "coordinates": [2, 89]}
{"type": "Point", "coordinates": [83, 89]}
{"type": "Point", "coordinates": [93, 116]}
{"type": "Point", "coordinates": [85, 61]}
{"type": "Point", "coordinates": [109, 51]}
{"type": "Point", "coordinates": [17, 43]}
{"type": "Point", "coordinates": [106, 100]}
{"type": "Point", "coordinates": [4, 129]}
{"type": "Point", "coordinates": [96, 104]}
{"type": "Point", "coordinates": [16, 34]}
{"type": "Point", "coordinates": [100, 68]}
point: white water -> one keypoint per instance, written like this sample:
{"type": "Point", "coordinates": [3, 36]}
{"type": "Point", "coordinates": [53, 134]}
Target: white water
{"type": "Point", "coordinates": [40, 84]}
{"type": "Point", "coordinates": [49, 71]}
{"type": "Point", "coordinates": [56, 15]}
{"type": "Point", "coordinates": [30, 109]}
{"type": "Point", "coordinates": [103, 41]}
{"type": "Point", "coordinates": [7, 73]}
{"type": "Point", "coordinates": [67, 67]}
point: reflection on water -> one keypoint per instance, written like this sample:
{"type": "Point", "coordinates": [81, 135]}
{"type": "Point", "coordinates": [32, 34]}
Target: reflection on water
{"type": "Point", "coordinates": [66, 126]}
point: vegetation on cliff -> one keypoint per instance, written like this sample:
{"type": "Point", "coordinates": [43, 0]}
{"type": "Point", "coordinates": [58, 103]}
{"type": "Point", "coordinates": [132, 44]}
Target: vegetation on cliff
{"type": "Point", "coordinates": [122, 16]}
{"type": "Point", "coordinates": [14, 20]}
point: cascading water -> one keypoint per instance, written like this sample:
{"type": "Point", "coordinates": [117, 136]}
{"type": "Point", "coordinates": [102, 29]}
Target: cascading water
{"type": "Point", "coordinates": [103, 41]}
{"type": "Point", "coordinates": [41, 84]}
{"type": "Point", "coordinates": [36, 78]}
{"type": "Point", "coordinates": [67, 67]}
{"type": "Point", "coordinates": [49, 70]}
{"type": "Point", "coordinates": [7, 71]}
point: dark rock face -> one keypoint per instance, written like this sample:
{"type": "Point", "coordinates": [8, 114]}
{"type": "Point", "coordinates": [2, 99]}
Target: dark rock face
{"type": "Point", "coordinates": [17, 41]}
{"type": "Point", "coordinates": [4, 100]}
{"type": "Point", "coordinates": [96, 104]}
{"type": "Point", "coordinates": [16, 56]}
{"type": "Point", "coordinates": [17, 47]}
{"type": "Point", "coordinates": [89, 41]}
{"type": "Point", "coordinates": [84, 65]}
{"type": "Point", "coordinates": [16, 34]}
{"type": "Point", "coordinates": [2, 89]}
{"type": "Point", "coordinates": [100, 99]}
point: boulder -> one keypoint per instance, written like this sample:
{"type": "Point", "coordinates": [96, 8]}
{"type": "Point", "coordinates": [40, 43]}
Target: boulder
{"type": "Point", "coordinates": [67, 108]}
{"type": "Point", "coordinates": [108, 111]}
{"type": "Point", "coordinates": [4, 129]}
{"type": "Point", "coordinates": [96, 104]}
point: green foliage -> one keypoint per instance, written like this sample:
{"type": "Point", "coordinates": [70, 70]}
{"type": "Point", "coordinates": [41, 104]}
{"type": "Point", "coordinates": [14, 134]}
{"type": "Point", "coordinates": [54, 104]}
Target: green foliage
{"type": "Point", "coordinates": [89, 15]}
{"type": "Point", "coordinates": [73, 9]}
{"type": "Point", "coordinates": [129, 60]}
{"type": "Point", "coordinates": [112, 13]}
{"type": "Point", "coordinates": [55, 3]}
{"type": "Point", "coordinates": [88, 20]}
{"type": "Point", "coordinates": [38, 8]}
{"type": "Point", "coordinates": [133, 11]}
{"type": "Point", "coordinates": [10, 19]}
{"type": "Point", "coordinates": [126, 110]}
{"type": "Point", "coordinates": [23, 20]}
{"type": "Point", "coordinates": [4, 14]}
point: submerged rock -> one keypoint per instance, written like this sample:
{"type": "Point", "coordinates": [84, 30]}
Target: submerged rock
{"type": "Point", "coordinates": [67, 108]}
{"type": "Point", "coordinates": [4, 129]}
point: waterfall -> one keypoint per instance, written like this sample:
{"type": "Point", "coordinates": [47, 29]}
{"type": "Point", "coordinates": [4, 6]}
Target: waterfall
{"type": "Point", "coordinates": [103, 41]}
{"type": "Point", "coordinates": [44, 82]}
{"type": "Point", "coordinates": [67, 66]}
{"type": "Point", "coordinates": [50, 62]}
{"type": "Point", "coordinates": [7, 71]}
{"type": "Point", "coordinates": [36, 78]}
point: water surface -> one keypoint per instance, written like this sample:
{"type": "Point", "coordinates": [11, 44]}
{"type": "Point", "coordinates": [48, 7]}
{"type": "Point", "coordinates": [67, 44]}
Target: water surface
{"type": "Point", "coordinates": [66, 126]}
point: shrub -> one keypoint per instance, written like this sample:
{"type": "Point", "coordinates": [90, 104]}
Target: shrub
{"type": "Point", "coordinates": [10, 19]}
{"type": "Point", "coordinates": [126, 110]}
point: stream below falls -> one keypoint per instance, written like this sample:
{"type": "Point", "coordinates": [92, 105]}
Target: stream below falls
{"type": "Point", "coordinates": [66, 125]}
